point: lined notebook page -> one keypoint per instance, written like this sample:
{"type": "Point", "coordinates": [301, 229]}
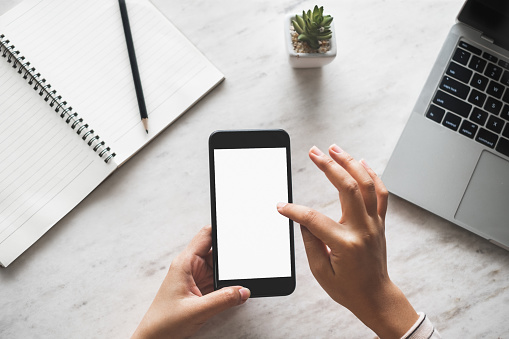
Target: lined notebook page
{"type": "Point", "coordinates": [80, 47]}
{"type": "Point", "coordinates": [45, 169]}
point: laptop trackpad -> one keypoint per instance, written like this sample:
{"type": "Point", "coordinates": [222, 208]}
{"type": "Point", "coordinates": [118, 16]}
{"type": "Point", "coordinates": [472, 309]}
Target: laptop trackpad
{"type": "Point", "coordinates": [484, 205]}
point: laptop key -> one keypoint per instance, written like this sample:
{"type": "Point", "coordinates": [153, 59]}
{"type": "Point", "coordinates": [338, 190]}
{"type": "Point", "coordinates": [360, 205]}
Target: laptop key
{"type": "Point", "coordinates": [477, 98]}
{"type": "Point", "coordinates": [495, 124]}
{"type": "Point", "coordinates": [505, 78]}
{"type": "Point", "coordinates": [480, 82]}
{"type": "Point", "coordinates": [435, 113]}
{"type": "Point", "coordinates": [459, 72]}
{"type": "Point", "coordinates": [470, 48]}
{"type": "Point", "coordinates": [505, 133]}
{"type": "Point", "coordinates": [452, 86]}
{"type": "Point", "coordinates": [477, 64]}
{"type": "Point", "coordinates": [468, 129]}
{"type": "Point", "coordinates": [493, 105]}
{"type": "Point", "coordinates": [495, 89]}
{"type": "Point", "coordinates": [451, 121]}
{"type": "Point", "coordinates": [506, 96]}
{"type": "Point", "coordinates": [486, 138]}
{"type": "Point", "coordinates": [461, 56]}
{"type": "Point", "coordinates": [490, 57]}
{"type": "Point", "coordinates": [503, 146]}
{"type": "Point", "coordinates": [493, 71]}
{"type": "Point", "coordinates": [505, 113]}
{"type": "Point", "coordinates": [452, 104]}
{"type": "Point", "coordinates": [479, 116]}
{"type": "Point", "coordinates": [503, 64]}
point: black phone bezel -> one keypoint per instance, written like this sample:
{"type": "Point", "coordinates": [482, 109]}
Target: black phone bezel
{"type": "Point", "coordinates": [237, 139]}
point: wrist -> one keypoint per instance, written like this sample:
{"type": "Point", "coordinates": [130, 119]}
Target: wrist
{"type": "Point", "coordinates": [141, 332]}
{"type": "Point", "coordinates": [387, 312]}
{"type": "Point", "coordinates": [156, 325]}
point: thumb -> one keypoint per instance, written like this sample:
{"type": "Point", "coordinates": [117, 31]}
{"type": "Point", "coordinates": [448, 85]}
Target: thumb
{"type": "Point", "coordinates": [221, 300]}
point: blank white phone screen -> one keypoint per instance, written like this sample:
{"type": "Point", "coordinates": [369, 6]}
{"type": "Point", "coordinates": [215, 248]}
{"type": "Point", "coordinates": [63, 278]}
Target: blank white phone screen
{"type": "Point", "coordinates": [253, 239]}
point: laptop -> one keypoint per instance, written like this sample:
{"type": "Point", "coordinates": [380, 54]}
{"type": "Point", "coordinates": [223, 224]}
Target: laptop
{"type": "Point", "coordinates": [453, 155]}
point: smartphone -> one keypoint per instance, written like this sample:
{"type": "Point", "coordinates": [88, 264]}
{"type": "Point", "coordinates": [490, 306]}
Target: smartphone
{"type": "Point", "coordinates": [252, 244]}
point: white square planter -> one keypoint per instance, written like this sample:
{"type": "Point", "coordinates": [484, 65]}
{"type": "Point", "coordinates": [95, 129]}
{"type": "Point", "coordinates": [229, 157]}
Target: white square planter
{"type": "Point", "coordinates": [308, 60]}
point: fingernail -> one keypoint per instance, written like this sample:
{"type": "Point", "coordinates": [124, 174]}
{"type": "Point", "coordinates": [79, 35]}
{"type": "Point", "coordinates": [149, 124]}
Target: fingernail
{"type": "Point", "coordinates": [363, 162]}
{"type": "Point", "coordinates": [336, 149]}
{"type": "Point", "coordinates": [316, 151]}
{"type": "Point", "coordinates": [281, 205]}
{"type": "Point", "coordinates": [244, 293]}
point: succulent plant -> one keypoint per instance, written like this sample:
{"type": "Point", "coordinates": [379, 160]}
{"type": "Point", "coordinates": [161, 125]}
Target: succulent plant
{"type": "Point", "coordinates": [313, 26]}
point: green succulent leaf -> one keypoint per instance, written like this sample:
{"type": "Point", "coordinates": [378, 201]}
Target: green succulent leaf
{"type": "Point", "coordinates": [316, 11]}
{"type": "Point", "coordinates": [327, 20]}
{"type": "Point", "coordinates": [297, 27]}
{"type": "Point", "coordinates": [300, 22]}
{"type": "Point", "coordinates": [309, 28]}
{"type": "Point", "coordinates": [304, 37]}
{"type": "Point", "coordinates": [324, 37]}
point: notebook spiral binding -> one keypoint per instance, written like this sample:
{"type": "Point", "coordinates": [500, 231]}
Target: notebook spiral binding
{"type": "Point", "coordinates": [8, 51]}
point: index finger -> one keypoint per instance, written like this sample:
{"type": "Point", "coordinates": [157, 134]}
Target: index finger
{"type": "Point", "coordinates": [321, 226]}
{"type": "Point", "coordinates": [202, 242]}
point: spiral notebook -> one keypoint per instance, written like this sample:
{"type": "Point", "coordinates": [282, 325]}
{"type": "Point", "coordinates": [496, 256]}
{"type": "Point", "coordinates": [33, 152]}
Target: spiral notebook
{"type": "Point", "coordinates": [68, 109]}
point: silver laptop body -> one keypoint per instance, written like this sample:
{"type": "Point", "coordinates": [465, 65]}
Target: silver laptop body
{"type": "Point", "coordinates": [451, 160]}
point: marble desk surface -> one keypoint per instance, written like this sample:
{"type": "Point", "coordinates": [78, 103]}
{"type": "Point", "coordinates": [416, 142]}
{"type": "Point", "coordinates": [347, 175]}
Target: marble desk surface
{"type": "Point", "coordinates": [96, 272]}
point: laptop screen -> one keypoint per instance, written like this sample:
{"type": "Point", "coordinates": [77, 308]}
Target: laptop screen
{"type": "Point", "coordinates": [489, 16]}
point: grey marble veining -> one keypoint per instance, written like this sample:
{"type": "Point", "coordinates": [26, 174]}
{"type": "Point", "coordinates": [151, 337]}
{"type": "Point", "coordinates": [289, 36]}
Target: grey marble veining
{"type": "Point", "coordinates": [95, 273]}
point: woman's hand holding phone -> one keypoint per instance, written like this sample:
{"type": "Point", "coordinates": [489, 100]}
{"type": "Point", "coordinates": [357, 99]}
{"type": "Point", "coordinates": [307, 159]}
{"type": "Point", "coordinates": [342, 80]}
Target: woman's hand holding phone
{"type": "Point", "coordinates": [186, 298]}
{"type": "Point", "coordinates": [348, 258]}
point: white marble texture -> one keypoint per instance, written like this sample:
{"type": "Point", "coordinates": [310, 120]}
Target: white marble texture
{"type": "Point", "coordinates": [95, 273]}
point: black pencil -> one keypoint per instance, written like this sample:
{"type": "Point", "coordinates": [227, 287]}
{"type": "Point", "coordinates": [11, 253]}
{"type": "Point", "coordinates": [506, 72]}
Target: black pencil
{"type": "Point", "coordinates": [134, 64]}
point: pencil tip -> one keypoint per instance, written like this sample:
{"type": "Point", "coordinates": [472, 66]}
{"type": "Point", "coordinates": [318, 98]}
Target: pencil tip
{"type": "Point", "coordinates": [144, 121]}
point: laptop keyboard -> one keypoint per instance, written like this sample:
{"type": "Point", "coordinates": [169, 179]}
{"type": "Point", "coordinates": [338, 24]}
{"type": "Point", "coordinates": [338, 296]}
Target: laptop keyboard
{"type": "Point", "coordinates": [473, 97]}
